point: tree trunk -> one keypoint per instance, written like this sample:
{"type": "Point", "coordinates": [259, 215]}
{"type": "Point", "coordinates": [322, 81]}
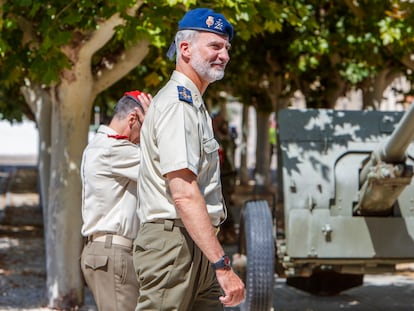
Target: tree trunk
{"type": "Point", "coordinates": [262, 149]}
{"type": "Point", "coordinates": [70, 122]}
{"type": "Point", "coordinates": [373, 89]}
{"type": "Point", "coordinates": [244, 173]}
{"type": "Point", "coordinates": [281, 104]}
{"type": "Point", "coordinates": [40, 103]}
{"type": "Point", "coordinates": [44, 126]}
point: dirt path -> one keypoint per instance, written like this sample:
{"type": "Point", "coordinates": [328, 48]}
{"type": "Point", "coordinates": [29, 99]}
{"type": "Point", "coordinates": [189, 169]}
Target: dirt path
{"type": "Point", "coordinates": [22, 248]}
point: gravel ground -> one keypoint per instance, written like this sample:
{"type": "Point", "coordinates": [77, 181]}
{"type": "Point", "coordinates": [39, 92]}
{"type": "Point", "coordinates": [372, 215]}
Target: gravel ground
{"type": "Point", "coordinates": [22, 276]}
{"type": "Point", "coordinates": [22, 272]}
{"type": "Point", "coordinates": [22, 248]}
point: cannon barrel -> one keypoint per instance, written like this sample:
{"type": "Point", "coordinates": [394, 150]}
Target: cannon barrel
{"type": "Point", "coordinates": [395, 148]}
{"type": "Point", "coordinates": [385, 175]}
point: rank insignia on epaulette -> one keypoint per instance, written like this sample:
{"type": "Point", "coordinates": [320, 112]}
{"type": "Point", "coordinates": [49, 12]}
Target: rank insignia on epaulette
{"type": "Point", "coordinates": [184, 94]}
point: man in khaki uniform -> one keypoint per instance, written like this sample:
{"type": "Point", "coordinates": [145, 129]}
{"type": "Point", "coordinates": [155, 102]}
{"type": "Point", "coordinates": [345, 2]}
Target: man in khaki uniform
{"type": "Point", "coordinates": [179, 261]}
{"type": "Point", "coordinates": [109, 171]}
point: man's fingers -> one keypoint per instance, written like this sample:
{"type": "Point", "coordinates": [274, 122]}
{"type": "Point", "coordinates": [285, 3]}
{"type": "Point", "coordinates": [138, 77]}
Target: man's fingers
{"type": "Point", "coordinates": [145, 100]}
{"type": "Point", "coordinates": [231, 301]}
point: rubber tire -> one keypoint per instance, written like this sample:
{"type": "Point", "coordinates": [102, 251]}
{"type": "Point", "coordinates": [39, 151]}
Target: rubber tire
{"type": "Point", "coordinates": [257, 243]}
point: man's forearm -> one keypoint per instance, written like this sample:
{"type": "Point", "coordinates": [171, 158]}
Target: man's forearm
{"type": "Point", "coordinates": [192, 209]}
{"type": "Point", "coordinates": [198, 225]}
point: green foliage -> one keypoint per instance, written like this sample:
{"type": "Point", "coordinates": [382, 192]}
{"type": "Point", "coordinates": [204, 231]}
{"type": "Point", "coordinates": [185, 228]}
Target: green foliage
{"type": "Point", "coordinates": [353, 43]}
{"type": "Point", "coordinates": [304, 39]}
{"type": "Point", "coordinates": [355, 72]}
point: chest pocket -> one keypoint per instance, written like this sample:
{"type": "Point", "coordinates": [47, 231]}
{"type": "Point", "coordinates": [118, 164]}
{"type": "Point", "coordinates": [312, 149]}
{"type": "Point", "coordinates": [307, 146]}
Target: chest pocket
{"type": "Point", "coordinates": [209, 148]}
{"type": "Point", "coordinates": [209, 158]}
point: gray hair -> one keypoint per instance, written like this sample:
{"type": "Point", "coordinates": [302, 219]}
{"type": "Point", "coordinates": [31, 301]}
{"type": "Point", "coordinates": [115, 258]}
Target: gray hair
{"type": "Point", "coordinates": [184, 35]}
{"type": "Point", "coordinates": [124, 107]}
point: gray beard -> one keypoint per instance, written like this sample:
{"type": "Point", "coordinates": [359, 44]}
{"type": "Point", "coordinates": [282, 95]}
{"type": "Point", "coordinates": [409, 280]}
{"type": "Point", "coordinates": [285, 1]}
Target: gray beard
{"type": "Point", "coordinates": [204, 70]}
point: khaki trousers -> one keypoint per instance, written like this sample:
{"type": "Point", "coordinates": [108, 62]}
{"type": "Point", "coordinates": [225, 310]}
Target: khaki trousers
{"type": "Point", "coordinates": [108, 270]}
{"type": "Point", "coordinates": [172, 271]}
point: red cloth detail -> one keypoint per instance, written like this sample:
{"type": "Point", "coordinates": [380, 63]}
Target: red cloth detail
{"type": "Point", "coordinates": [118, 136]}
{"type": "Point", "coordinates": [133, 94]}
{"type": "Point", "coordinates": [221, 155]}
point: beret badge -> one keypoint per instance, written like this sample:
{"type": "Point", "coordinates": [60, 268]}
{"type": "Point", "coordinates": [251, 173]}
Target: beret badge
{"type": "Point", "coordinates": [210, 21]}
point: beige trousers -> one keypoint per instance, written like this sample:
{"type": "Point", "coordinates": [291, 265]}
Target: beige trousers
{"type": "Point", "coordinates": [109, 273]}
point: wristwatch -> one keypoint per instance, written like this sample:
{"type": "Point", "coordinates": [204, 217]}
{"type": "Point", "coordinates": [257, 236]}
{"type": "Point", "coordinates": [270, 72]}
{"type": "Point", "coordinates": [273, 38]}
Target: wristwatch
{"type": "Point", "coordinates": [223, 263]}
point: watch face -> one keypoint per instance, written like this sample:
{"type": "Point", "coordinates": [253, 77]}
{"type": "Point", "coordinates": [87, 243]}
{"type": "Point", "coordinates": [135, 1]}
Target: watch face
{"type": "Point", "coordinates": [226, 260]}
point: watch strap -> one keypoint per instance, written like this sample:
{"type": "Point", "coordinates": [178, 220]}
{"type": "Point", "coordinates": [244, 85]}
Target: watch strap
{"type": "Point", "coordinates": [223, 263]}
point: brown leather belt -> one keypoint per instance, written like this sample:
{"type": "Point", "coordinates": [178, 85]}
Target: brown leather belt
{"type": "Point", "coordinates": [116, 239]}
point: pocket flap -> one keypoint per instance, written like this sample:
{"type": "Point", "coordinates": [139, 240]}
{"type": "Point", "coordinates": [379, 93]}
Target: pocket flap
{"type": "Point", "coordinates": [210, 145]}
{"type": "Point", "coordinates": [95, 262]}
{"type": "Point", "coordinates": [156, 245]}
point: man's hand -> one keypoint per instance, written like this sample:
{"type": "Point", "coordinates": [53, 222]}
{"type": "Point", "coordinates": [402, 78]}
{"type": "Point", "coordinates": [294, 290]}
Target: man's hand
{"type": "Point", "coordinates": [233, 287]}
{"type": "Point", "coordinates": [145, 100]}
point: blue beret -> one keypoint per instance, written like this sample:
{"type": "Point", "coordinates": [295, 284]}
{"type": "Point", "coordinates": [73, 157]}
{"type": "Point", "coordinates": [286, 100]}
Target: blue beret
{"type": "Point", "coordinates": [206, 20]}
{"type": "Point", "coordinates": [203, 20]}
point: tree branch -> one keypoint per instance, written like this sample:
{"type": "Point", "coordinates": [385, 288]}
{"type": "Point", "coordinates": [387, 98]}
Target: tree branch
{"type": "Point", "coordinates": [105, 31]}
{"type": "Point", "coordinates": [28, 31]}
{"type": "Point", "coordinates": [355, 8]}
{"type": "Point", "coordinates": [408, 61]}
{"type": "Point", "coordinates": [97, 39]}
{"type": "Point", "coordinates": [81, 53]}
{"type": "Point", "coordinates": [124, 64]}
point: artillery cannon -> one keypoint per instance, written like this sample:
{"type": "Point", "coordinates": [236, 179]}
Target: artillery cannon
{"type": "Point", "coordinates": [345, 203]}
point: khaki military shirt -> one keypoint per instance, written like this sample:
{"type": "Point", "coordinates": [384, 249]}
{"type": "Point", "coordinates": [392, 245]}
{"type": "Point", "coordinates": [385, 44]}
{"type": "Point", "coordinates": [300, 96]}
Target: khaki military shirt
{"type": "Point", "coordinates": [177, 134]}
{"type": "Point", "coordinates": [109, 173]}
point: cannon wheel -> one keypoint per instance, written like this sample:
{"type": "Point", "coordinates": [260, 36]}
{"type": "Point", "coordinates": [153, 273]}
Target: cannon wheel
{"type": "Point", "coordinates": [257, 244]}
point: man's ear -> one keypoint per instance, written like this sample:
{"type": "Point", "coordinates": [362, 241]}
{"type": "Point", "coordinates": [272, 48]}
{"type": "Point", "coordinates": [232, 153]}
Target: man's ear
{"type": "Point", "coordinates": [185, 48]}
{"type": "Point", "coordinates": [132, 118]}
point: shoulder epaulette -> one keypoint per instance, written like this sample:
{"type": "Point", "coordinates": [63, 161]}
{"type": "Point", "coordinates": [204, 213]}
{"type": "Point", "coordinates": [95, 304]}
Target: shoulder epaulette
{"type": "Point", "coordinates": [184, 94]}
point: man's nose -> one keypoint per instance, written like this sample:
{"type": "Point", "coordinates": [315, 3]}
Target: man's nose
{"type": "Point", "coordinates": [224, 55]}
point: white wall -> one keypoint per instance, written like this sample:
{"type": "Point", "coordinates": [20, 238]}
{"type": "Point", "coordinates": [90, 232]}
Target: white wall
{"type": "Point", "coordinates": [18, 143]}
